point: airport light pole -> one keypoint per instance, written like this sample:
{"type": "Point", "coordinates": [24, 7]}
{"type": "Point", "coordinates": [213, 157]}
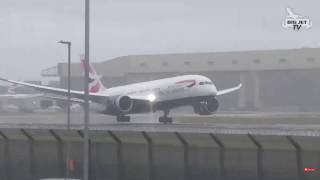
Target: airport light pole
{"type": "Point", "coordinates": [68, 43]}
{"type": "Point", "coordinates": [86, 92]}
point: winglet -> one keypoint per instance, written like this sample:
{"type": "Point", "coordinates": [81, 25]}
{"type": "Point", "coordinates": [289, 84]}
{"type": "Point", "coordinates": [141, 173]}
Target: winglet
{"type": "Point", "coordinates": [226, 91]}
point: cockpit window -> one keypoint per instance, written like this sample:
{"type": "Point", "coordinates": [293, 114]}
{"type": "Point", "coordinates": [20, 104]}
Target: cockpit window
{"type": "Point", "coordinates": [204, 82]}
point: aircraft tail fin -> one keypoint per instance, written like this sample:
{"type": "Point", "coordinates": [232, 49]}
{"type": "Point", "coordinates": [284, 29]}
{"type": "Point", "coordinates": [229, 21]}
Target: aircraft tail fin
{"type": "Point", "coordinates": [95, 84]}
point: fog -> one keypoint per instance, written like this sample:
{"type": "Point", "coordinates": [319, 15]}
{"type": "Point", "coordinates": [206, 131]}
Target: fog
{"type": "Point", "coordinates": [248, 107]}
{"type": "Point", "coordinates": [30, 29]}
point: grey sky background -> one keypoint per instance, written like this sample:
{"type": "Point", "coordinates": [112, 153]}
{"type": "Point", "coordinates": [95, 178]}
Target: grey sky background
{"type": "Point", "coordinates": [29, 29]}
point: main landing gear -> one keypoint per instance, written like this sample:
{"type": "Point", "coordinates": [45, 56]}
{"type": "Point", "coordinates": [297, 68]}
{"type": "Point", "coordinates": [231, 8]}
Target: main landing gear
{"type": "Point", "coordinates": [165, 119]}
{"type": "Point", "coordinates": [123, 118]}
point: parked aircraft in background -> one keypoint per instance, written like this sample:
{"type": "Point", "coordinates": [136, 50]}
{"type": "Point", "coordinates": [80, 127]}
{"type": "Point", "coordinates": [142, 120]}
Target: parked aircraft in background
{"type": "Point", "coordinates": [13, 101]}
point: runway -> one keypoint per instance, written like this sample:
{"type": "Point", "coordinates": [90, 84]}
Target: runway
{"type": "Point", "coordinates": [60, 118]}
{"type": "Point", "coordinates": [302, 124]}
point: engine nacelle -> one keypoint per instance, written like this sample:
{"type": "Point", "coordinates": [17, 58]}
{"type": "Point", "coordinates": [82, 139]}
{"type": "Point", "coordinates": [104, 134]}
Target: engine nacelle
{"type": "Point", "coordinates": [207, 107]}
{"type": "Point", "coordinates": [120, 105]}
{"type": "Point", "coordinates": [124, 103]}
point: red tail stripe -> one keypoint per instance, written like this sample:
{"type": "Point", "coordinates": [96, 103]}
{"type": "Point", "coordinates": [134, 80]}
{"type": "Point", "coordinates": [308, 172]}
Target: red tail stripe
{"type": "Point", "coordinates": [95, 88]}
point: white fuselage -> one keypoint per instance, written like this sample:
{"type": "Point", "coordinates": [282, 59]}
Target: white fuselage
{"type": "Point", "coordinates": [178, 87]}
{"type": "Point", "coordinates": [158, 95]}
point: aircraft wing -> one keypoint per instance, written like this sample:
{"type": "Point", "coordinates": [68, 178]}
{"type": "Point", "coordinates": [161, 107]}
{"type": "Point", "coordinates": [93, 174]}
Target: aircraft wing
{"type": "Point", "coordinates": [226, 91]}
{"type": "Point", "coordinates": [96, 97]}
{"type": "Point", "coordinates": [72, 100]}
{"type": "Point", "coordinates": [19, 96]}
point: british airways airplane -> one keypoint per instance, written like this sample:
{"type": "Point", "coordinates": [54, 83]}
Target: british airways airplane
{"type": "Point", "coordinates": [150, 96]}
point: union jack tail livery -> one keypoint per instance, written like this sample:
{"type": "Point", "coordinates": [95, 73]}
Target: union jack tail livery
{"type": "Point", "coordinates": [95, 84]}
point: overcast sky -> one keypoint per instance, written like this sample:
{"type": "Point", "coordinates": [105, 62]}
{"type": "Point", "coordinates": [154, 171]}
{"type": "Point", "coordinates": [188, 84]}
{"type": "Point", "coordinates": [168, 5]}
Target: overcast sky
{"type": "Point", "coordinates": [29, 29]}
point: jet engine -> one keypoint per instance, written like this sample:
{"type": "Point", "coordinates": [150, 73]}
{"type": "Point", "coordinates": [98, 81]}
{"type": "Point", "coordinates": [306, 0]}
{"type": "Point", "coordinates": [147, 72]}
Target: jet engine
{"type": "Point", "coordinates": [206, 107]}
{"type": "Point", "coordinates": [120, 105]}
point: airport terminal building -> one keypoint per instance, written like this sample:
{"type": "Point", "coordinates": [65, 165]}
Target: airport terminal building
{"type": "Point", "coordinates": [273, 80]}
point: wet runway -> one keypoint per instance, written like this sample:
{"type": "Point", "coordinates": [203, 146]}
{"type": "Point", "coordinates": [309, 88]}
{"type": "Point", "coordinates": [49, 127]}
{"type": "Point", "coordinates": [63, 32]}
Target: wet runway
{"type": "Point", "coordinates": [238, 118]}
{"type": "Point", "coordinates": [60, 118]}
{"type": "Point", "coordinates": [299, 124]}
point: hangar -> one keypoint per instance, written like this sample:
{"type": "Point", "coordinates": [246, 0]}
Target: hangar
{"type": "Point", "coordinates": [273, 80]}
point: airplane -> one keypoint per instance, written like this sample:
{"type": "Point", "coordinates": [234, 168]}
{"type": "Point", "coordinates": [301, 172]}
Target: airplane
{"type": "Point", "coordinates": [158, 95]}
{"type": "Point", "coordinates": [22, 102]}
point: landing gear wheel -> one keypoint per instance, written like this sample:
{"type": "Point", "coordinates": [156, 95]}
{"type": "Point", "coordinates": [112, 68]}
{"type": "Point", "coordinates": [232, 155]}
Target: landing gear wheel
{"type": "Point", "coordinates": [123, 118]}
{"type": "Point", "coordinates": [165, 120]}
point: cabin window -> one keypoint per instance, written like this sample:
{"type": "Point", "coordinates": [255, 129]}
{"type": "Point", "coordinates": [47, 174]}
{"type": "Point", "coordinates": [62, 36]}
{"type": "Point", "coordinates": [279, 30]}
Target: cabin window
{"type": "Point", "coordinates": [205, 82]}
